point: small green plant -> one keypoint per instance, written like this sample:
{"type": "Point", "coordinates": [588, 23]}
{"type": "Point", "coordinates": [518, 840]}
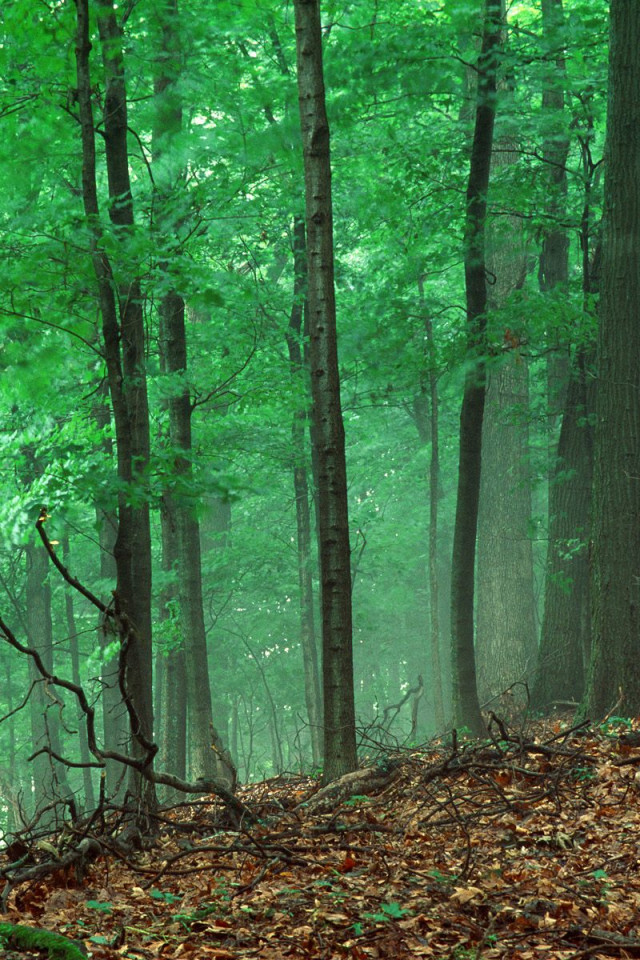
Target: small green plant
{"type": "Point", "coordinates": [583, 774]}
{"type": "Point", "coordinates": [357, 798]}
{"type": "Point", "coordinates": [388, 911]}
{"type": "Point", "coordinates": [99, 905]}
{"type": "Point", "coordinates": [197, 916]}
{"type": "Point", "coordinates": [165, 896]}
{"type": "Point", "coordinates": [611, 726]}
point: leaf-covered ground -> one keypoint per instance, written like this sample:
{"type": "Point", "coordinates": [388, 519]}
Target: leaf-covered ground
{"type": "Point", "coordinates": [524, 848]}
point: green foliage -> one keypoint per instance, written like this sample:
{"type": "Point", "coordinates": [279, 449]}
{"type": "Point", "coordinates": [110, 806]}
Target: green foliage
{"type": "Point", "coordinates": [54, 945]}
{"type": "Point", "coordinates": [399, 90]}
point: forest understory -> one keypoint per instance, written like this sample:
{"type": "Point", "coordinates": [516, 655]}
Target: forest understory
{"type": "Point", "coordinates": [522, 846]}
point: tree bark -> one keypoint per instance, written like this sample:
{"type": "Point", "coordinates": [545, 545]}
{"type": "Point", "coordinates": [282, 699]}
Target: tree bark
{"type": "Point", "coordinates": [339, 710]}
{"type": "Point", "coordinates": [85, 756]}
{"type": "Point", "coordinates": [506, 637]}
{"type": "Point", "coordinates": [465, 694]}
{"type": "Point", "coordinates": [614, 676]}
{"type": "Point", "coordinates": [299, 369]}
{"type": "Point", "coordinates": [123, 331]}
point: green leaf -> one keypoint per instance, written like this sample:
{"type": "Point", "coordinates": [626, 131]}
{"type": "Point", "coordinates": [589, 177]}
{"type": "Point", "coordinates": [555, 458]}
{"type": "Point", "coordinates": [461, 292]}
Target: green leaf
{"type": "Point", "coordinates": [99, 905]}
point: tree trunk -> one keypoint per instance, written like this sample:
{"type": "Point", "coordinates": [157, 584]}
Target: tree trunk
{"type": "Point", "coordinates": [123, 332]}
{"type": "Point", "coordinates": [85, 756]}
{"type": "Point", "coordinates": [339, 710]}
{"type": "Point", "coordinates": [614, 676]}
{"type": "Point", "coordinates": [465, 694]}
{"type": "Point", "coordinates": [506, 639]}
{"type": "Point", "coordinates": [114, 713]}
{"type": "Point", "coordinates": [506, 629]}
{"type": "Point", "coordinates": [171, 674]}
{"type": "Point", "coordinates": [299, 370]}
{"type": "Point", "coordinates": [49, 777]}
{"type": "Point", "coordinates": [426, 415]}
{"type": "Point", "coordinates": [565, 635]}
{"type": "Point", "coordinates": [208, 757]}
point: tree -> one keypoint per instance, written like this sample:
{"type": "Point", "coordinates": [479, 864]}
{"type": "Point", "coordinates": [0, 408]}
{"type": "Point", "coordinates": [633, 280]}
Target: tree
{"type": "Point", "coordinates": [207, 754]}
{"type": "Point", "coordinates": [506, 633]}
{"type": "Point", "coordinates": [333, 523]}
{"type": "Point", "coordinates": [298, 320]}
{"type": "Point", "coordinates": [465, 694]}
{"type": "Point", "coordinates": [614, 673]}
{"type": "Point", "coordinates": [123, 327]}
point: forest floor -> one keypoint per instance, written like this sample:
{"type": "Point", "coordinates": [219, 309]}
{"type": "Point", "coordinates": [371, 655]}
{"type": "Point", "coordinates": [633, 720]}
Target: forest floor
{"type": "Point", "coordinates": [524, 848]}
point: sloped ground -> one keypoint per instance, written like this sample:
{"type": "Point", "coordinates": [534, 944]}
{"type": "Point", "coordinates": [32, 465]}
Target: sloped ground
{"type": "Point", "coordinates": [525, 848]}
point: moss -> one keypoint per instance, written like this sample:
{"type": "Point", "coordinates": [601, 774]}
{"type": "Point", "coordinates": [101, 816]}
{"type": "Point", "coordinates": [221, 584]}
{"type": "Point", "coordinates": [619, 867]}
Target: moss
{"type": "Point", "coordinates": [56, 946]}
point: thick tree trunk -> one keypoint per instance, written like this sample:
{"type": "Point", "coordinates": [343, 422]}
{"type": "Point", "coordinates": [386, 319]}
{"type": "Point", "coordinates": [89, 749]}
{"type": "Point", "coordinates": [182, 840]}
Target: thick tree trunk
{"type": "Point", "coordinates": [506, 629]}
{"type": "Point", "coordinates": [339, 709]}
{"type": "Point", "coordinates": [562, 657]}
{"type": "Point", "coordinates": [465, 694]}
{"type": "Point", "coordinates": [506, 637]}
{"type": "Point", "coordinates": [614, 677]}
{"type": "Point", "coordinates": [564, 639]}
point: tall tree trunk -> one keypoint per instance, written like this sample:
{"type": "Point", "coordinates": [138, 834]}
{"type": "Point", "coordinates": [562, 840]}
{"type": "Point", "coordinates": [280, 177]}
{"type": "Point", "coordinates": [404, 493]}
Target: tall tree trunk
{"type": "Point", "coordinates": [565, 635]}
{"type": "Point", "coordinates": [123, 332]}
{"type": "Point", "coordinates": [301, 491]}
{"type": "Point", "coordinates": [114, 713]}
{"type": "Point", "coordinates": [426, 414]}
{"type": "Point", "coordinates": [85, 756]}
{"type": "Point", "coordinates": [506, 635]}
{"type": "Point", "coordinates": [171, 672]}
{"type": "Point", "coordinates": [49, 777]}
{"type": "Point", "coordinates": [614, 675]}
{"type": "Point", "coordinates": [208, 757]}
{"type": "Point", "coordinates": [465, 694]}
{"type": "Point", "coordinates": [339, 709]}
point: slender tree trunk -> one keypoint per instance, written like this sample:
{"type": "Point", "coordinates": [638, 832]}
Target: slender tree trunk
{"type": "Point", "coordinates": [85, 756]}
{"type": "Point", "coordinates": [339, 710]}
{"type": "Point", "coordinates": [614, 676]}
{"type": "Point", "coordinates": [123, 331]}
{"type": "Point", "coordinates": [425, 414]}
{"type": "Point", "coordinates": [301, 490]}
{"type": "Point", "coordinates": [171, 674]}
{"type": "Point", "coordinates": [465, 695]}
{"type": "Point", "coordinates": [49, 777]}
{"type": "Point", "coordinates": [208, 758]}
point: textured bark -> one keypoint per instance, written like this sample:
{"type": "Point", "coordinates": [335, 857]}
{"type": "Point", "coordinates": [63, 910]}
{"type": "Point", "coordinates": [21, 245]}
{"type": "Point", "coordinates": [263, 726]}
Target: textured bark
{"type": "Point", "coordinates": [339, 710]}
{"type": "Point", "coordinates": [123, 333]}
{"type": "Point", "coordinates": [506, 639]}
{"type": "Point", "coordinates": [465, 695]}
{"type": "Point", "coordinates": [506, 623]}
{"type": "Point", "coordinates": [615, 666]}
{"type": "Point", "coordinates": [564, 642]}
